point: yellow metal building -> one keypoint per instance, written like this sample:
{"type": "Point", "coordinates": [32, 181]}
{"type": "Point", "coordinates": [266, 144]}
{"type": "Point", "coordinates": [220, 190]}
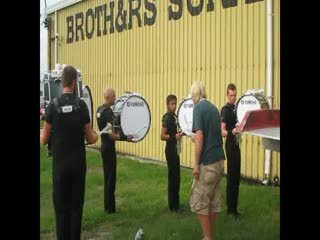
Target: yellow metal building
{"type": "Point", "coordinates": [215, 41]}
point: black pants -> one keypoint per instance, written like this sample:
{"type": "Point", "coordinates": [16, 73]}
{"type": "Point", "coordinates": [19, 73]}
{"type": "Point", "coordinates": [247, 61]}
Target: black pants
{"type": "Point", "coordinates": [109, 158]}
{"type": "Point", "coordinates": [49, 151]}
{"type": "Point", "coordinates": [173, 162]}
{"type": "Point", "coordinates": [233, 175]}
{"type": "Point", "coordinates": [68, 199]}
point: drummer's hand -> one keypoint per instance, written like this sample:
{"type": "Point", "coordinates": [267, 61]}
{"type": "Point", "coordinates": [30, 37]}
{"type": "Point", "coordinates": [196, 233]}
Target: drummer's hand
{"type": "Point", "coordinates": [235, 131]}
{"type": "Point", "coordinates": [192, 137]}
{"type": "Point", "coordinates": [129, 138]}
{"type": "Point", "coordinates": [179, 135]}
{"type": "Point", "coordinates": [196, 171]}
{"type": "Point", "coordinates": [95, 133]}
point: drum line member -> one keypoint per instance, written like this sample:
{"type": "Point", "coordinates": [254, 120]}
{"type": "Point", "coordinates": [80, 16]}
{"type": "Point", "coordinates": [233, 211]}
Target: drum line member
{"type": "Point", "coordinates": [59, 68]}
{"type": "Point", "coordinates": [68, 125]}
{"type": "Point", "coordinates": [172, 136]}
{"type": "Point", "coordinates": [231, 131]}
{"type": "Point", "coordinates": [108, 151]}
{"type": "Point", "coordinates": [205, 199]}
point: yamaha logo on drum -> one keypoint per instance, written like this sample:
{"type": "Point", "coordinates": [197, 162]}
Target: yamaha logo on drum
{"type": "Point", "coordinates": [248, 102]}
{"type": "Point", "coordinates": [186, 105]}
{"type": "Point", "coordinates": [135, 104]}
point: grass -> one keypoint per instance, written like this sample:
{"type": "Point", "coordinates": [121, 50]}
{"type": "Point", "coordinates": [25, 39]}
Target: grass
{"type": "Point", "coordinates": [41, 123]}
{"type": "Point", "coordinates": [141, 197]}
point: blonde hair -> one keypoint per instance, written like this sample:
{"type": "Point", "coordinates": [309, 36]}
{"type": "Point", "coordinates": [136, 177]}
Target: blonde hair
{"type": "Point", "coordinates": [197, 91]}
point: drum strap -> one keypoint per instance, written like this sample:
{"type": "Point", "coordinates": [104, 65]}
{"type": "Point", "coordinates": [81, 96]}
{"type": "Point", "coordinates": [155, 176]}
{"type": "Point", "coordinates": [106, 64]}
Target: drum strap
{"type": "Point", "coordinates": [227, 106]}
{"type": "Point", "coordinates": [60, 109]}
{"type": "Point", "coordinates": [102, 109]}
{"type": "Point", "coordinates": [122, 136]}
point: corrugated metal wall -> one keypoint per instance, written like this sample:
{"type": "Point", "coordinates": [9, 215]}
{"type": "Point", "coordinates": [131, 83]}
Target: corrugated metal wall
{"type": "Point", "coordinates": [218, 47]}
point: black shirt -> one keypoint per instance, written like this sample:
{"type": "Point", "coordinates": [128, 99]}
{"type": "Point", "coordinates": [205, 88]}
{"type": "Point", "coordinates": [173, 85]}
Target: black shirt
{"type": "Point", "coordinates": [105, 115]}
{"type": "Point", "coordinates": [169, 121]}
{"type": "Point", "coordinates": [228, 116]}
{"type": "Point", "coordinates": [67, 135]}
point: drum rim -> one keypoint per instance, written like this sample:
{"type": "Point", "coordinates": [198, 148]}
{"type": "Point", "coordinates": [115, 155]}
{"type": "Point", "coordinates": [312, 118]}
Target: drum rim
{"type": "Point", "coordinates": [183, 100]}
{"type": "Point", "coordinates": [136, 95]}
{"type": "Point", "coordinates": [250, 94]}
{"type": "Point", "coordinates": [89, 90]}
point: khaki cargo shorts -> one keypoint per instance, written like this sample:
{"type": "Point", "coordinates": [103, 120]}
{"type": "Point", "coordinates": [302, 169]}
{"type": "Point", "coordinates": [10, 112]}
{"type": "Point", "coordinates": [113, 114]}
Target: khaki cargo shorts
{"type": "Point", "coordinates": [205, 194]}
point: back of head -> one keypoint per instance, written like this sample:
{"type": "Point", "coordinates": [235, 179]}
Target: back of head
{"type": "Point", "coordinates": [109, 92]}
{"type": "Point", "coordinates": [109, 96]}
{"type": "Point", "coordinates": [198, 91]}
{"type": "Point", "coordinates": [69, 74]}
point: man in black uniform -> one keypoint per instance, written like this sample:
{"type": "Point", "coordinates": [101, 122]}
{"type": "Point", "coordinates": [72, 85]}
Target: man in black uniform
{"type": "Point", "coordinates": [68, 125]}
{"type": "Point", "coordinates": [108, 151]}
{"type": "Point", "coordinates": [170, 134]}
{"type": "Point", "coordinates": [230, 131]}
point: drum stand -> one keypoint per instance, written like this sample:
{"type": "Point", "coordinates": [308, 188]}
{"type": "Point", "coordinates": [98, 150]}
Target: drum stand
{"type": "Point", "coordinates": [267, 180]}
{"type": "Point", "coordinates": [267, 164]}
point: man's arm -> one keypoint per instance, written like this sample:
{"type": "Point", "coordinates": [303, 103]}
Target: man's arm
{"type": "Point", "coordinates": [224, 131]}
{"type": "Point", "coordinates": [90, 134]}
{"type": "Point", "coordinates": [164, 134]}
{"type": "Point", "coordinates": [198, 140]}
{"type": "Point", "coordinates": [45, 133]}
{"type": "Point", "coordinates": [197, 128]}
{"type": "Point", "coordinates": [117, 136]}
{"type": "Point", "coordinates": [224, 116]}
{"type": "Point", "coordinates": [114, 136]}
{"type": "Point", "coordinates": [47, 127]}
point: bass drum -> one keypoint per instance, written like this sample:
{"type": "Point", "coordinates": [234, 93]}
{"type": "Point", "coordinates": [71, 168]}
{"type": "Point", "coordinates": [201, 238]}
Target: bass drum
{"type": "Point", "coordinates": [53, 88]}
{"type": "Point", "coordinates": [87, 98]}
{"type": "Point", "coordinates": [185, 116]}
{"type": "Point", "coordinates": [250, 102]}
{"type": "Point", "coordinates": [132, 116]}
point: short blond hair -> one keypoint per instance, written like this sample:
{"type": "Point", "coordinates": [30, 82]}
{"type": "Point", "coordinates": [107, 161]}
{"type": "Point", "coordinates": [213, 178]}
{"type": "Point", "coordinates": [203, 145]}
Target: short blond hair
{"type": "Point", "coordinates": [198, 91]}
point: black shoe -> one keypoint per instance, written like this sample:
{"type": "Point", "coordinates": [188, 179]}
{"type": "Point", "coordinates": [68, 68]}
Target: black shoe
{"type": "Point", "coordinates": [234, 214]}
{"type": "Point", "coordinates": [49, 154]}
{"type": "Point", "coordinates": [112, 211]}
{"type": "Point", "coordinates": [174, 209]}
{"type": "Point", "coordinates": [229, 212]}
